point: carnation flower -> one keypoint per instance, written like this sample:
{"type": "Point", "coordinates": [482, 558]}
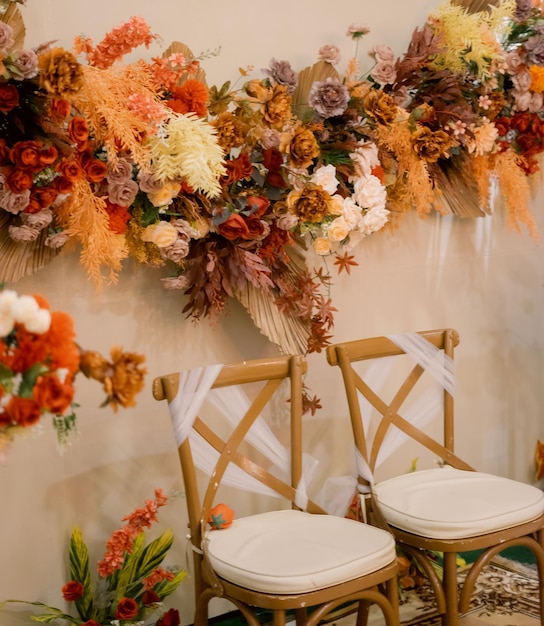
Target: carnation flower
{"type": "Point", "coordinates": [329, 97]}
{"type": "Point", "coordinates": [283, 74]}
{"type": "Point", "coordinates": [60, 73]}
{"type": "Point", "coordinates": [329, 53]}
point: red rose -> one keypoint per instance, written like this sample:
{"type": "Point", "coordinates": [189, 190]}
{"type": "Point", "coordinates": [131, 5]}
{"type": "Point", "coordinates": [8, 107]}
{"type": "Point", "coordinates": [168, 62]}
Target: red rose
{"type": "Point", "coordinates": [255, 227]}
{"type": "Point", "coordinates": [78, 131]}
{"type": "Point", "coordinates": [70, 169]}
{"type": "Point", "coordinates": [4, 152]}
{"type": "Point", "coordinates": [19, 180]}
{"type": "Point", "coordinates": [9, 97]}
{"type": "Point", "coordinates": [529, 144]}
{"type": "Point", "coordinates": [23, 411]}
{"type": "Point", "coordinates": [60, 108]}
{"type": "Point", "coordinates": [126, 609]}
{"type": "Point", "coordinates": [238, 168]}
{"type": "Point", "coordinates": [90, 622]}
{"type": "Point", "coordinates": [96, 170]}
{"type": "Point", "coordinates": [45, 196]}
{"type": "Point", "coordinates": [48, 156]}
{"type": "Point", "coordinates": [273, 160]}
{"type": "Point", "coordinates": [63, 185]}
{"type": "Point", "coordinates": [258, 205]}
{"type": "Point", "coordinates": [119, 217]}
{"type": "Point", "coordinates": [72, 591]}
{"type": "Point", "coordinates": [34, 204]}
{"type": "Point", "coordinates": [234, 227]}
{"type": "Point", "coordinates": [521, 122]}
{"type": "Point", "coordinates": [26, 155]}
{"type": "Point", "coordinates": [170, 618]}
{"type": "Point", "coordinates": [503, 126]}
{"type": "Point", "coordinates": [150, 597]}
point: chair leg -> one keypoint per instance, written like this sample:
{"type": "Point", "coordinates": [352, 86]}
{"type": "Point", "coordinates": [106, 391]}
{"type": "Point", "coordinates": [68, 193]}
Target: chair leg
{"type": "Point", "coordinates": [301, 616]}
{"type": "Point", "coordinates": [279, 617]}
{"type": "Point", "coordinates": [449, 581]}
{"type": "Point", "coordinates": [362, 613]}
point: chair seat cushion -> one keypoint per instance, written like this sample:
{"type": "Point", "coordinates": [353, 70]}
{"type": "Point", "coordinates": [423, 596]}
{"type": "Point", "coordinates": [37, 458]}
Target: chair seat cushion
{"type": "Point", "coordinates": [446, 503]}
{"type": "Point", "coordinates": [292, 552]}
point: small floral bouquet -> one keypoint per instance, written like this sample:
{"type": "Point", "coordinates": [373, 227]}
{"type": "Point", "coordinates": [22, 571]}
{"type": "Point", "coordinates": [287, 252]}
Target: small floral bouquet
{"type": "Point", "coordinates": [132, 584]}
{"type": "Point", "coordinates": [39, 360]}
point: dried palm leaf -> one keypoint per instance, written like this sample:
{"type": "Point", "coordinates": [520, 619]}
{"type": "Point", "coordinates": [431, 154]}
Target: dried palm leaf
{"type": "Point", "coordinates": [476, 6]}
{"type": "Point", "coordinates": [306, 78]}
{"type": "Point", "coordinates": [287, 331]}
{"type": "Point", "coordinates": [13, 18]}
{"type": "Point", "coordinates": [457, 189]}
{"type": "Point", "coordinates": [177, 47]}
{"type": "Point", "coordinates": [18, 260]}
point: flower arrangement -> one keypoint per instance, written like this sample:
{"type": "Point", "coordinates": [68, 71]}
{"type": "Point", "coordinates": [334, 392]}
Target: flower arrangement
{"type": "Point", "coordinates": [39, 361]}
{"type": "Point", "coordinates": [131, 585]}
{"type": "Point", "coordinates": [229, 187]}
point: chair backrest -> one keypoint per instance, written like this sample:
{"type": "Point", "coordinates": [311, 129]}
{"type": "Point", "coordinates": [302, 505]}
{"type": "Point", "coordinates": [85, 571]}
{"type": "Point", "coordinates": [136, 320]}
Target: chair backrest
{"type": "Point", "coordinates": [428, 351]}
{"type": "Point", "coordinates": [218, 419]}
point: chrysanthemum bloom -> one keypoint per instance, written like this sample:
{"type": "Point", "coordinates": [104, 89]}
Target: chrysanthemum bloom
{"type": "Point", "coordinates": [230, 131]}
{"type": "Point", "coordinates": [380, 106]}
{"type": "Point", "coordinates": [60, 72]}
{"type": "Point", "coordinates": [277, 110]}
{"type": "Point", "coordinates": [303, 148]}
{"type": "Point", "coordinates": [311, 204]}
{"type": "Point", "coordinates": [190, 97]}
{"type": "Point", "coordinates": [431, 145]}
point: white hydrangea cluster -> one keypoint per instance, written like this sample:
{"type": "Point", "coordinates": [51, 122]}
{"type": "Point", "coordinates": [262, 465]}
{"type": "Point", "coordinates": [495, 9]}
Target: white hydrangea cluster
{"type": "Point", "coordinates": [22, 309]}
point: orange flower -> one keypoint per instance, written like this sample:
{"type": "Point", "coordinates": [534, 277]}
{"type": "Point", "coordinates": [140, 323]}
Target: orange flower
{"type": "Point", "coordinates": [26, 155]}
{"type": "Point", "coordinates": [190, 97]}
{"type": "Point", "coordinates": [126, 609]}
{"type": "Point", "coordinates": [78, 131]}
{"type": "Point", "coordinates": [23, 411]}
{"type": "Point", "coordinates": [96, 170]}
{"type": "Point", "coordinates": [59, 108]}
{"type": "Point", "coordinates": [48, 156]}
{"type": "Point", "coordinates": [70, 169]}
{"type": "Point", "coordinates": [537, 78]}
{"type": "Point", "coordinates": [234, 227]}
{"type": "Point", "coordinates": [19, 180]}
{"type": "Point", "coordinates": [53, 395]}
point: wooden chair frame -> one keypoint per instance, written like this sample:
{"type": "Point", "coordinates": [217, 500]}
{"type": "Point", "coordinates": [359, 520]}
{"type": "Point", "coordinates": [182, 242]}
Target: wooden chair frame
{"type": "Point", "coordinates": [379, 587]}
{"type": "Point", "coordinates": [450, 601]}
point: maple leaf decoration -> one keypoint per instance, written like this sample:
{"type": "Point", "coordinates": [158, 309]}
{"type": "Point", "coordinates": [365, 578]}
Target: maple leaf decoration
{"type": "Point", "coordinates": [345, 262]}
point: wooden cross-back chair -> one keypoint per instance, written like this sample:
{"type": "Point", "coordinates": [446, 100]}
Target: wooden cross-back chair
{"type": "Point", "coordinates": [292, 560]}
{"type": "Point", "coordinates": [449, 508]}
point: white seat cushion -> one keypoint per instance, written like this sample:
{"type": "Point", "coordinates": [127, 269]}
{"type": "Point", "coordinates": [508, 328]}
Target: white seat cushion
{"type": "Point", "coordinates": [294, 552]}
{"type": "Point", "coordinates": [446, 503]}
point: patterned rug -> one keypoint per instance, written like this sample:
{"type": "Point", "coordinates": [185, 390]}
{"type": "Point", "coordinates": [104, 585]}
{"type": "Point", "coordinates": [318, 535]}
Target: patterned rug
{"type": "Point", "coordinates": [506, 595]}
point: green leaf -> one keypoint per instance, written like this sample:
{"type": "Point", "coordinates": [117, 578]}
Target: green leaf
{"type": "Point", "coordinates": [29, 379]}
{"type": "Point", "coordinates": [46, 618]}
{"type": "Point", "coordinates": [79, 570]}
{"type": "Point", "coordinates": [154, 554]}
{"type": "Point", "coordinates": [166, 587]}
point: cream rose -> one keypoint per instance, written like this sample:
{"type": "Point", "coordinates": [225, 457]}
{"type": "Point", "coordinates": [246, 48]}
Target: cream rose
{"type": "Point", "coordinates": [338, 230]}
{"type": "Point", "coordinates": [373, 220]}
{"type": "Point", "coordinates": [322, 246]}
{"type": "Point", "coordinates": [165, 194]}
{"type": "Point", "coordinates": [162, 234]}
{"type": "Point", "coordinates": [325, 177]}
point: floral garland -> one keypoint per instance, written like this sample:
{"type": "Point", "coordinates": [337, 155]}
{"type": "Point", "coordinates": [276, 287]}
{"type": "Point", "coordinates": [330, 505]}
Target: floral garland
{"type": "Point", "coordinates": [39, 361]}
{"type": "Point", "coordinates": [228, 187]}
{"type": "Point", "coordinates": [132, 584]}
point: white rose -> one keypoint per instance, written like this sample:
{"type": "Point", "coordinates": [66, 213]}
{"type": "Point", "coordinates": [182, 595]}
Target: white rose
{"type": "Point", "coordinates": [162, 234]}
{"type": "Point", "coordinates": [369, 193]}
{"type": "Point", "coordinates": [325, 177]}
{"type": "Point", "coordinates": [373, 220]}
{"type": "Point", "coordinates": [351, 213]}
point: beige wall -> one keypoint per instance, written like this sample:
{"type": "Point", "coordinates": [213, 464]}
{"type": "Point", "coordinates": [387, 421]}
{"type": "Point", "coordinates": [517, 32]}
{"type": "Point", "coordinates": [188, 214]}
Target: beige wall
{"type": "Point", "coordinates": [473, 275]}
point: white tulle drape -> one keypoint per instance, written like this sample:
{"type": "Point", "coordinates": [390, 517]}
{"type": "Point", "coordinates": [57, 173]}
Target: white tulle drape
{"type": "Point", "coordinates": [418, 412]}
{"type": "Point", "coordinates": [231, 403]}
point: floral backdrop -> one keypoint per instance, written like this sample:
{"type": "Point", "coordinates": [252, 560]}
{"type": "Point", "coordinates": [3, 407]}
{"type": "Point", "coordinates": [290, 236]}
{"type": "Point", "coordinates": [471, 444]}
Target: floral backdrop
{"type": "Point", "coordinates": [229, 186]}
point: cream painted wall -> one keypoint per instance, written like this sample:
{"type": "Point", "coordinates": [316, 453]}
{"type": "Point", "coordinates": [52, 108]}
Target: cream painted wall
{"type": "Point", "coordinates": [473, 275]}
